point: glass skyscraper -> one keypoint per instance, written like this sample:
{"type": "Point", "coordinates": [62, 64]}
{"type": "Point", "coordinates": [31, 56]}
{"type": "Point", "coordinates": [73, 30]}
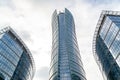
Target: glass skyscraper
{"type": "Point", "coordinates": [16, 62]}
{"type": "Point", "coordinates": [106, 45]}
{"type": "Point", "coordinates": [66, 61]}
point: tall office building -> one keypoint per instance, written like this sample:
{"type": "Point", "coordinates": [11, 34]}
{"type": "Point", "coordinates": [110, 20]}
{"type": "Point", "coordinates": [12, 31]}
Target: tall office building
{"type": "Point", "coordinates": [16, 62]}
{"type": "Point", "coordinates": [106, 45]}
{"type": "Point", "coordinates": [65, 59]}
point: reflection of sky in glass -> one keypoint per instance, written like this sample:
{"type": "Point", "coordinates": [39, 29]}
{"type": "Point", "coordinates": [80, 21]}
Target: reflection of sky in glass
{"type": "Point", "coordinates": [115, 20]}
{"type": "Point", "coordinates": [115, 48]}
{"type": "Point", "coordinates": [69, 60]}
{"type": "Point", "coordinates": [63, 56]}
{"type": "Point", "coordinates": [118, 60]}
{"type": "Point", "coordinates": [109, 33]}
{"type": "Point", "coordinates": [109, 49]}
{"type": "Point", "coordinates": [105, 27]}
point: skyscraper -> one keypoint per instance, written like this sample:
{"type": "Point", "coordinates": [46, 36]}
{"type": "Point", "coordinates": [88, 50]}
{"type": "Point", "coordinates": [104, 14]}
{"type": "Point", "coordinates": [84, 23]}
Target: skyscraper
{"type": "Point", "coordinates": [66, 61]}
{"type": "Point", "coordinates": [16, 62]}
{"type": "Point", "coordinates": [106, 45]}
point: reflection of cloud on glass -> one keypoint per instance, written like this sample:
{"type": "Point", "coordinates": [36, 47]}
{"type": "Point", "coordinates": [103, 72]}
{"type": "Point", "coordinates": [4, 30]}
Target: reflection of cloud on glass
{"type": "Point", "coordinates": [118, 37]}
{"type": "Point", "coordinates": [115, 47]}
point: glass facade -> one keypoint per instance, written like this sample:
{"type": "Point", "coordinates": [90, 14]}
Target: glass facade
{"type": "Point", "coordinates": [65, 59]}
{"type": "Point", "coordinates": [106, 45]}
{"type": "Point", "coordinates": [16, 62]}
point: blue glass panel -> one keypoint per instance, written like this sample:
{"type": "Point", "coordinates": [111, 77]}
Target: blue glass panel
{"type": "Point", "coordinates": [115, 47]}
{"type": "Point", "coordinates": [111, 35]}
{"type": "Point", "coordinates": [12, 43]}
{"type": "Point", "coordinates": [118, 61]}
{"type": "Point", "coordinates": [105, 27]}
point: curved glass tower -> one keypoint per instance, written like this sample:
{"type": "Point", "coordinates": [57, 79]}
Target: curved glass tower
{"type": "Point", "coordinates": [106, 45]}
{"type": "Point", "coordinates": [65, 59]}
{"type": "Point", "coordinates": [16, 62]}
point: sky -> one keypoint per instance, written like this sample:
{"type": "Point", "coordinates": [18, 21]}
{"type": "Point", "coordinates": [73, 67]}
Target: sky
{"type": "Point", "coordinates": [31, 20]}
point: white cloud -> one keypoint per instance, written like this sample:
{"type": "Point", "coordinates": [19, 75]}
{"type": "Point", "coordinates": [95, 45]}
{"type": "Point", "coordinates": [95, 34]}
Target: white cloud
{"type": "Point", "coordinates": [41, 73]}
{"type": "Point", "coordinates": [8, 3]}
{"type": "Point", "coordinates": [31, 19]}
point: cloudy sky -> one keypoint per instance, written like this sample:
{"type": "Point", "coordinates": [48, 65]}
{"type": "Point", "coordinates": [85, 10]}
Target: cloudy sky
{"type": "Point", "coordinates": [31, 19]}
